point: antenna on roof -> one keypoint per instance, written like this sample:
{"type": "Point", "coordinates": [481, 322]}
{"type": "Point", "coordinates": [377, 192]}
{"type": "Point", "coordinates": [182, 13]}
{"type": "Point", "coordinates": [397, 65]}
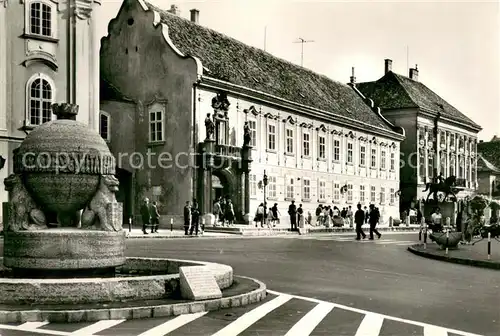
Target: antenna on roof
{"type": "Point", "coordinates": [302, 41]}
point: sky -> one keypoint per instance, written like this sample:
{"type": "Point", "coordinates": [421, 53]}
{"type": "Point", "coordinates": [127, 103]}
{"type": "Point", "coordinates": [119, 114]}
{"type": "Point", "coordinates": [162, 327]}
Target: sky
{"type": "Point", "coordinates": [455, 44]}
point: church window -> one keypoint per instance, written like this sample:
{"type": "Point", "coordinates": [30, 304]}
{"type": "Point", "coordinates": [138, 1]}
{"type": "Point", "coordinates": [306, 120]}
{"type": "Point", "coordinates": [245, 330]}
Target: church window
{"type": "Point", "coordinates": [40, 97]}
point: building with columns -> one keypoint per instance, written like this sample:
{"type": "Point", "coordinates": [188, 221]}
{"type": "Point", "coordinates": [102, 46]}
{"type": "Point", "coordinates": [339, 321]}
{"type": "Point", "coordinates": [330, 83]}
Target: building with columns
{"type": "Point", "coordinates": [439, 138]}
{"type": "Point", "coordinates": [49, 54]}
{"type": "Point", "coordinates": [318, 141]}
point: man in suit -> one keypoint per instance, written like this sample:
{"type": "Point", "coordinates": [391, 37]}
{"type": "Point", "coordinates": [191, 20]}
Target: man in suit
{"type": "Point", "coordinates": [187, 217]}
{"type": "Point", "coordinates": [373, 220]}
{"type": "Point", "coordinates": [145, 215]}
{"type": "Point", "coordinates": [155, 218]}
{"type": "Point", "coordinates": [195, 219]}
{"type": "Point", "coordinates": [292, 211]}
{"type": "Point", "coordinates": [359, 219]}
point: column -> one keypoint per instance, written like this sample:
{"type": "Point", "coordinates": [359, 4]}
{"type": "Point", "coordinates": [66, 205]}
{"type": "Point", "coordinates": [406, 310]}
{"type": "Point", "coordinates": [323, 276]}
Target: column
{"type": "Point", "coordinates": [95, 68]}
{"type": "Point", "coordinates": [437, 158]}
{"type": "Point", "coordinates": [407, 157]}
{"type": "Point", "coordinates": [447, 162]}
{"type": "Point", "coordinates": [205, 202]}
{"type": "Point", "coordinates": [426, 156]}
{"type": "Point", "coordinates": [4, 64]}
{"type": "Point", "coordinates": [457, 159]}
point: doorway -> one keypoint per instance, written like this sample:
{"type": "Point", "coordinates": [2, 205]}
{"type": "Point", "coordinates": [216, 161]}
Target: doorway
{"type": "Point", "coordinates": [217, 188]}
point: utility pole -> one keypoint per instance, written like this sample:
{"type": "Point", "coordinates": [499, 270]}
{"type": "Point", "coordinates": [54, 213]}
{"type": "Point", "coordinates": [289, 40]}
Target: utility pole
{"type": "Point", "coordinates": [302, 41]}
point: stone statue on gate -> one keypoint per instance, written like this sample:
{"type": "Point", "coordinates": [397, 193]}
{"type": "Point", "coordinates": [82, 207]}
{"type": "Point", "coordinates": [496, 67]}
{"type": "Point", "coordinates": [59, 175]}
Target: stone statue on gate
{"type": "Point", "coordinates": [210, 127]}
{"type": "Point", "coordinates": [247, 135]}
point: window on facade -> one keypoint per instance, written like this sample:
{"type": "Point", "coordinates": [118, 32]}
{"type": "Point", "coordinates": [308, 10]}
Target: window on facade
{"type": "Point", "coordinates": [321, 147]}
{"type": "Point", "coordinates": [421, 163]}
{"type": "Point", "coordinates": [461, 144]}
{"type": "Point", "coordinates": [373, 194]}
{"type": "Point", "coordinates": [391, 196]}
{"type": "Point", "coordinates": [452, 166]}
{"type": "Point", "coordinates": [290, 188]}
{"type": "Point", "coordinates": [382, 195]}
{"type": "Point", "coordinates": [442, 139]}
{"type": "Point", "coordinates": [271, 137]}
{"type": "Point", "coordinates": [305, 145]}
{"type": "Point", "coordinates": [322, 190]}
{"type": "Point", "coordinates": [104, 126]}
{"type": "Point", "coordinates": [361, 194]}
{"type": "Point", "coordinates": [289, 141]}
{"type": "Point", "coordinates": [155, 126]}
{"type": "Point", "coordinates": [40, 101]}
{"type": "Point", "coordinates": [473, 171]}
{"type": "Point", "coordinates": [430, 165]}
{"type": "Point", "coordinates": [362, 156]}
{"type": "Point", "coordinates": [336, 150]}
{"type": "Point", "coordinates": [374, 158]}
{"type": "Point", "coordinates": [271, 186]}
{"type": "Point", "coordinates": [349, 193]}
{"type": "Point", "coordinates": [349, 153]}
{"type": "Point", "coordinates": [452, 140]}
{"type": "Point", "coordinates": [461, 164]}
{"type": "Point", "coordinates": [442, 163]}
{"type": "Point", "coordinates": [393, 161]}
{"type": "Point", "coordinates": [253, 131]}
{"type": "Point", "coordinates": [253, 185]}
{"type": "Point", "coordinates": [382, 159]}
{"type": "Point", "coordinates": [40, 19]}
{"type": "Point", "coordinates": [306, 189]}
{"type": "Point", "coordinates": [221, 132]}
{"type": "Point", "coordinates": [336, 192]}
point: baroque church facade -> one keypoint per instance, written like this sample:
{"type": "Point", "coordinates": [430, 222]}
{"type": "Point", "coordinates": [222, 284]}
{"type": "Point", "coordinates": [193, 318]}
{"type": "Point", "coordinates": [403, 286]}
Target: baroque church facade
{"type": "Point", "coordinates": [318, 141]}
{"type": "Point", "coordinates": [49, 54]}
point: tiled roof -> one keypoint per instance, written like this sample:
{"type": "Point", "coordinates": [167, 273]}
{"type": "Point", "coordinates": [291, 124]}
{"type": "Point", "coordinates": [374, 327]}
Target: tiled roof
{"type": "Point", "coordinates": [230, 60]}
{"type": "Point", "coordinates": [490, 151]}
{"type": "Point", "coordinates": [394, 91]}
{"type": "Point", "coordinates": [485, 165]}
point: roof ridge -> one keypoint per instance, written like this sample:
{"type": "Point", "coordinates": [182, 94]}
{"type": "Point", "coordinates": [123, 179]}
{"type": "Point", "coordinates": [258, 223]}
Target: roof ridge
{"type": "Point", "coordinates": [233, 39]}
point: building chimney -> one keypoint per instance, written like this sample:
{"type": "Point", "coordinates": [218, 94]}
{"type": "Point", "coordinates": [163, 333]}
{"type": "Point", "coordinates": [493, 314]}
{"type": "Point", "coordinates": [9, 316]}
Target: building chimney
{"type": "Point", "coordinates": [353, 78]}
{"type": "Point", "coordinates": [388, 65]}
{"type": "Point", "coordinates": [195, 15]}
{"type": "Point", "coordinates": [414, 73]}
{"type": "Point", "coordinates": [174, 10]}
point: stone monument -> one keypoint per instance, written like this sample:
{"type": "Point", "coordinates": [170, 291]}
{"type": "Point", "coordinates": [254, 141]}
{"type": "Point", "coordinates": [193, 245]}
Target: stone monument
{"type": "Point", "coordinates": [62, 218]}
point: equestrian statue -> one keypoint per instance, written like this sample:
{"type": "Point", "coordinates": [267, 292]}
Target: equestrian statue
{"type": "Point", "coordinates": [440, 184]}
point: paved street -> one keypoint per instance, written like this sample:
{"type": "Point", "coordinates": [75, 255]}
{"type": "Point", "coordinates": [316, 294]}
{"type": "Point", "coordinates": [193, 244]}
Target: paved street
{"type": "Point", "coordinates": [324, 285]}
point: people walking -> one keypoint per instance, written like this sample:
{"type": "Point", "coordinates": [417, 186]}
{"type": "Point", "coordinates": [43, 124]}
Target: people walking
{"type": "Point", "coordinates": [300, 215]}
{"type": "Point", "coordinates": [155, 218]}
{"type": "Point", "coordinates": [187, 217]}
{"type": "Point", "coordinates": [276, 214]}
{"type": "Point", "coordinates": [229, 212]}
{"type": "Point", "coordinates": [292, 211]}
{"type": "Point", "coordinates": [145, 215]}
{"type": "Point", "coordinates": [217, 212]}
{"type": "Point", "coordinates": [259, 215]}
{"type": "Point", "coordinates": [195, 219]}
{"type": "Point", "coordinates": [373, 220]}
{"type": "Point", "coordinates": [350, 216]}
{"type": "Point", "coordinates": [359, 219]}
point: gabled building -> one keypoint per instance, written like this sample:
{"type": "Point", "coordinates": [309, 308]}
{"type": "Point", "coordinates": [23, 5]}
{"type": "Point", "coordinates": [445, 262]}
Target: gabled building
{"type": "Point", "coordinates": [49, 54]}
{"type": "Point", "coordinates": [439, 138]}
{"type": "Point", "coordinates": [317, 140]}
{"type": "Point", "coordinates": [488, 168]}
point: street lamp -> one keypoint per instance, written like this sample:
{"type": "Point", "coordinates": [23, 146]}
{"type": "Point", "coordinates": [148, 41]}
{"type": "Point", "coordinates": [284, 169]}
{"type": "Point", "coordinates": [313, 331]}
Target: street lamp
{"type": "Point", "coordinates": [265, 202]}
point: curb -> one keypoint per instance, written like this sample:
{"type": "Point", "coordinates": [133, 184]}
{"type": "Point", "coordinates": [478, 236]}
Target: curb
{"type": "Point", "coordinates": [130, 313]}
{"type": "Point", "coordinates": [463, 261]}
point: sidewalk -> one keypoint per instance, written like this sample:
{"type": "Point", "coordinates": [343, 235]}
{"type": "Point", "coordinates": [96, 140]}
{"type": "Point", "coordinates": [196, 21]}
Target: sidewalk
{"type": "Point", "coordinates": [137, 233]}
{"type": "Point", "coordinates": [472, 255]}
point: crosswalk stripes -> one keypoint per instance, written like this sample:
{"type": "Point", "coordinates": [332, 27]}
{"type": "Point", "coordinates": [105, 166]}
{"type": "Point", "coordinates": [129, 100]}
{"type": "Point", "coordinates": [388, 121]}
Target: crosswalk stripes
{"type": "Point", "coordinates": [273, 314]}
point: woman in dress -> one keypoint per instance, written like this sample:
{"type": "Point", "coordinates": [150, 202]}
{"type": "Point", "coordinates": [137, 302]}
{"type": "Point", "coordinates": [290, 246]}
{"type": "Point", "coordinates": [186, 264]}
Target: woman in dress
{"type": "Point", "coordinates": [229, 212]}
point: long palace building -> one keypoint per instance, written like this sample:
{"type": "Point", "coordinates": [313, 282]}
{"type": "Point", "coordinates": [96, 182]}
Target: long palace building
{"type": "Point", "coordinates": [319, 141]}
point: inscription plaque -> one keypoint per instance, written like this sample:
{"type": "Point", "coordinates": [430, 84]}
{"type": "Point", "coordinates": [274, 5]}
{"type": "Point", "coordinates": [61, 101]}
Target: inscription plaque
{"type": "Point", "coordinates": [198, 283]}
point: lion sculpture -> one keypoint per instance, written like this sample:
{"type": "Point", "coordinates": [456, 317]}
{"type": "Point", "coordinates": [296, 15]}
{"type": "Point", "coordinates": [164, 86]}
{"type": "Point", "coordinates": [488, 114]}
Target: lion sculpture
{"type": "Point", "coordinates": [24, 213]}
{"type": "Point", "coordinates": [95, 215]}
